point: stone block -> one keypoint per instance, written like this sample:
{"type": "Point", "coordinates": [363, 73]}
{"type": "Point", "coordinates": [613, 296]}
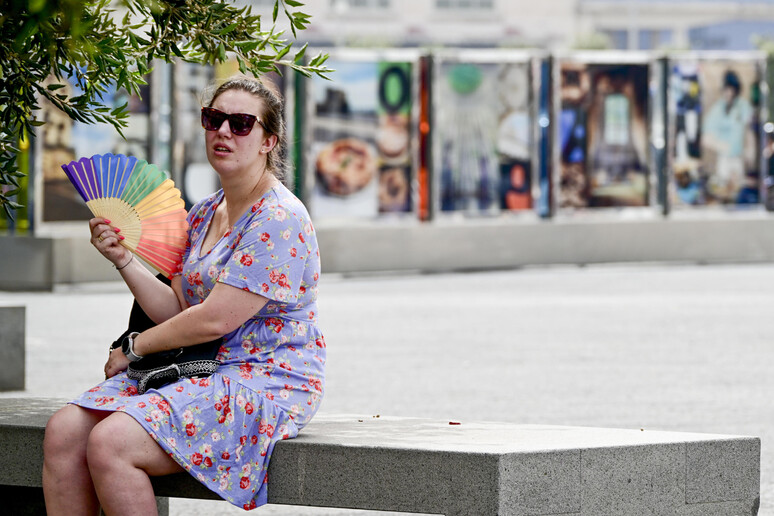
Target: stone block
{"type": "Point", "coordinates": [431, 466]}
{"type": "Point", "coordinates": [721, 509]}
{"type": "Point", "coordinates": [12, 348]}
{"type": "Point", "coordinates": [26, 263]}
{"type": "Point", "coordinates": [541, 483]}
{"type": "Point", "coordinates": [634, 481]}
{"type": "Point", "coordinates": [721, 471]}
{"type": "Point", "coordinates": [436, 482]}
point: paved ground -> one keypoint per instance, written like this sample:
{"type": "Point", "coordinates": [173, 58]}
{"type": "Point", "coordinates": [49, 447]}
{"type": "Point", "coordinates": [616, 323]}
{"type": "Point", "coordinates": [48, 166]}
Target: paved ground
{"type": "Point", "coordinates": [662, 347]}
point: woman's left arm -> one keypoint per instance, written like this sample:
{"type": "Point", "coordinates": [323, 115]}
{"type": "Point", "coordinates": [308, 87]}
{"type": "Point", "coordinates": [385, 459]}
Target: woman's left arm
{"type": "Point", "coordinates": [224, 310]}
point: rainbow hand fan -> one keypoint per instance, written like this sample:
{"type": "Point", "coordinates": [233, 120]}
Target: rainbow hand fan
{"type": "Point", "coordinates": [138, 198]}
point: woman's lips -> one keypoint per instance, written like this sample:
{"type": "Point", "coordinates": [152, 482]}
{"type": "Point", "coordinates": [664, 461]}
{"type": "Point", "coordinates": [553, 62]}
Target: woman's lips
{"type": "Point", "coordinates": [220, 149]}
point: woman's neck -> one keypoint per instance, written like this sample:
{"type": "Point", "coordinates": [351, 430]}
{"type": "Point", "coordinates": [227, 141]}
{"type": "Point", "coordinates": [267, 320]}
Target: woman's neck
{"type": "Point", "coordinates": [241, 192]}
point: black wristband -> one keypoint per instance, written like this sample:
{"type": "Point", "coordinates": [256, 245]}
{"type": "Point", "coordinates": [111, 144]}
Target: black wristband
{"type": "Point", "coordinates": [124, 265]}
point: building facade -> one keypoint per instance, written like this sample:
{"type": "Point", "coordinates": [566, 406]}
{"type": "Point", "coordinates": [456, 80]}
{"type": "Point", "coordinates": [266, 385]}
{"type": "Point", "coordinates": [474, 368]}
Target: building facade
{"type": "Point", "coordinates": [548, 24]}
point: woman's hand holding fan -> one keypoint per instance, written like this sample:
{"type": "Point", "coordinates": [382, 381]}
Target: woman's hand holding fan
{"type": "Point", "coordinates": [107, 239]}
{"type": "Point", "coordinates": [138, 199]}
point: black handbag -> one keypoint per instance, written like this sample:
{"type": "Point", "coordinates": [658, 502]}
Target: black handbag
{"type": "Point", "coordinates": [153, 371]}
{"type": "Point", "coordinates": [158, 369]}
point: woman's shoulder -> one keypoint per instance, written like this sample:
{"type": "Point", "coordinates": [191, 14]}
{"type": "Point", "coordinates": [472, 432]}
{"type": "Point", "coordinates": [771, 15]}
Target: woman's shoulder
{"type": "Point", "coordinates": [280, 205]}
{"type": "Point", "coordinates": [283, 197]}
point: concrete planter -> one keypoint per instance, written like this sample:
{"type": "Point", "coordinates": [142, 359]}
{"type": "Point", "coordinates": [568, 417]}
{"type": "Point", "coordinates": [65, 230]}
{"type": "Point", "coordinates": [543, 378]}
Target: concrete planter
{"type": "Point", "coordinates": [27, 263]}
{"type": "Point", "coordinates": [12, 348]}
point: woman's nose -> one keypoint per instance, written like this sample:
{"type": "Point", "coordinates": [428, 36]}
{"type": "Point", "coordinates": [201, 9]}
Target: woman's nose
{"type": "Point", "coordinates": [224, 128]}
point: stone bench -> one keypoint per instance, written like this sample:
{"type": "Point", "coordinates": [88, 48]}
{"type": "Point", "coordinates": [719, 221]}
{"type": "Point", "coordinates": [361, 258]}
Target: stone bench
{"type": "Point", "coordinates": [12, 347]}
{"type": "Point", "coordinates": [443, 467]}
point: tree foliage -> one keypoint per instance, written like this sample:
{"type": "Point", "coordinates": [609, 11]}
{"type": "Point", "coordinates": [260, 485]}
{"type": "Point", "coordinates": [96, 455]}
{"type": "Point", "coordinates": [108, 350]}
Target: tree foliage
{"type": "Point", "coordinates": [104, 45]}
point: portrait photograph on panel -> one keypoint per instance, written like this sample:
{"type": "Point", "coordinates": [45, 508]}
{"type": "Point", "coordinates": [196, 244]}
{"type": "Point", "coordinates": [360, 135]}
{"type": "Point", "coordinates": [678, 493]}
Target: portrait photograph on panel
{"type": "Point", "coordinates": [715, 155]}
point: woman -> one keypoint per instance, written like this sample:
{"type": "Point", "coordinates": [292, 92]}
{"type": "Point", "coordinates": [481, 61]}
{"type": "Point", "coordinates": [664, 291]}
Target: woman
{"type": "Point", "coordinates": [725, 130]}
{"type": "Point", "coordinates": [249, 275]}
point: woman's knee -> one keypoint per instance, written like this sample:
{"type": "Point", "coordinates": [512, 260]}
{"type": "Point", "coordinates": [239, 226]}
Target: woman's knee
{"type": "Point", "coordinates": [67, 432]}
{"type": "Point", "coordinates": [106, 440]}
{"type": "Point", "coordinates": [119, 442]}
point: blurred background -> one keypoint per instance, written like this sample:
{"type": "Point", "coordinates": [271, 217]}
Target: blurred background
{"type": "Point", "coordinates": [480, 135]}
{"type": "Point", "coordinates": [560, 131]}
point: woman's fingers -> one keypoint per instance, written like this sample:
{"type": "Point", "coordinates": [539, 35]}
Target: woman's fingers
{"type": "Point", "coordinates": [101, 230]}
{"type": "Point", "coordinates": [94, 222]}
{"type": "Point", "coordinates": [117, 362]}
{"type": "Point", "coordinates": [107, 239]}
{"type": "Point", "coordinates": [109, 233]}
{"type": "Point", "coordinates": [97, 221]}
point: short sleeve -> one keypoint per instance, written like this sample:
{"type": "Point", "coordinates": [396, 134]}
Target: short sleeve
{"type": "Point", "coordinates": [195, 220]}
{"type": "Point", "coordinates": [269, 255]}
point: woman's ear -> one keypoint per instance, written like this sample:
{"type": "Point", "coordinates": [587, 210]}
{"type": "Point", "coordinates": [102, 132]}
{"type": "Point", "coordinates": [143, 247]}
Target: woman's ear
{"type": "Point", "coordinates": [268, 143]}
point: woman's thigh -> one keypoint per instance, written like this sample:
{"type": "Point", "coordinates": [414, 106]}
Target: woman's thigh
{"type": "Point", "coordinates": [120, 438]}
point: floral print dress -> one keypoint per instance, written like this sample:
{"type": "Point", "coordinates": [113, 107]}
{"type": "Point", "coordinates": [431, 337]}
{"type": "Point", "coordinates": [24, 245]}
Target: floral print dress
{"type": "Point", "coordinates": [222, 429]}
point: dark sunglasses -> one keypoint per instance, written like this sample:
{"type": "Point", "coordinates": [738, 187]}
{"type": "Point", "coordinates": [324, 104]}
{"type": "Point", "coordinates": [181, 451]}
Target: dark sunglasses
{"type": "Point", "coordinates": [240, 123]}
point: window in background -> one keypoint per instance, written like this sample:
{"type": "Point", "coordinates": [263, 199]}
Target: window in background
{"type": "Point", "coordinates": [261, 4]}
{"type": "Point", "coordinates": [360, 4]}
{"type": "Point", "coordinates": [654, 39]}
{"type": "Point", "coordinates": [464, 4]}
{"type": "Point", "coordinates": [618, 39]}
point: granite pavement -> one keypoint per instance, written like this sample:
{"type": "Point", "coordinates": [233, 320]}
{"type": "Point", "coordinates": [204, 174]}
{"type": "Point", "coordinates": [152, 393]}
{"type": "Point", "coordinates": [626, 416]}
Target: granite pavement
{"type": "Point", "coordinates": [663, 347]}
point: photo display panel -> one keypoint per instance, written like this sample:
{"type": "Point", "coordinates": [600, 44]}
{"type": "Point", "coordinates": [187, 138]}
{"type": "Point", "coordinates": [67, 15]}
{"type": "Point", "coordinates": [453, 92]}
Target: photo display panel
{"type": "Point", "coordinates": [715, 107]}
{"type": "Point", "coordinates": [361, 130]}
{"type": "Point", "coordinates": [485, 132]}
{"type": "Point", "coordinates": [602, 134]}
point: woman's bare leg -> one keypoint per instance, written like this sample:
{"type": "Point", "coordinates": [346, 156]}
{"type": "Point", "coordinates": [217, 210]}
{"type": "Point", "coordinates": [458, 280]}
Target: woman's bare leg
{"type": "Point", "coordinates": [122, 457]}
{"type": "Point", "coordinates": [67, 484]}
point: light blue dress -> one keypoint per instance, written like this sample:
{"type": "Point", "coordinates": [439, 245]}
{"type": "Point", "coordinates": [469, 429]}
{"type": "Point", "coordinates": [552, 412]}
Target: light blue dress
{"type": "Point", "coordinates": [222, 429]}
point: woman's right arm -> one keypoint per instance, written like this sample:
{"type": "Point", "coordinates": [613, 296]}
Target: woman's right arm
{"type": "Point", "coordinates": [158, 300]}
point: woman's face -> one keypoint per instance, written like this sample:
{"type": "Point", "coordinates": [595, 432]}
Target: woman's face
{"type": "Point", "coordinates": [729, 94]}
{"type": "Point", "coordinates": [230, 154]}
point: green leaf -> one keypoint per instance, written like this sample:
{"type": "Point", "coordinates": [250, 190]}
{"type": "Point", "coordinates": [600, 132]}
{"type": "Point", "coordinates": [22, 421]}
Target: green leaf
{"type": "Point", "coordinates": [29, 28]}
{"type": "Point", "coordinates": [228, 29]}
{"type": "Point", "coordinates": [6, 206]}
{"type": "Point", "coordinates": [292, 25]}
{"type": "Point", "coordinates": [300, 54]}
{"type": "Point", "coordinates": [176, 51]}
{"type": "Point", "coordinates": [247, 46]}
{"type": "Point", "coordinates": [282, 53]}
